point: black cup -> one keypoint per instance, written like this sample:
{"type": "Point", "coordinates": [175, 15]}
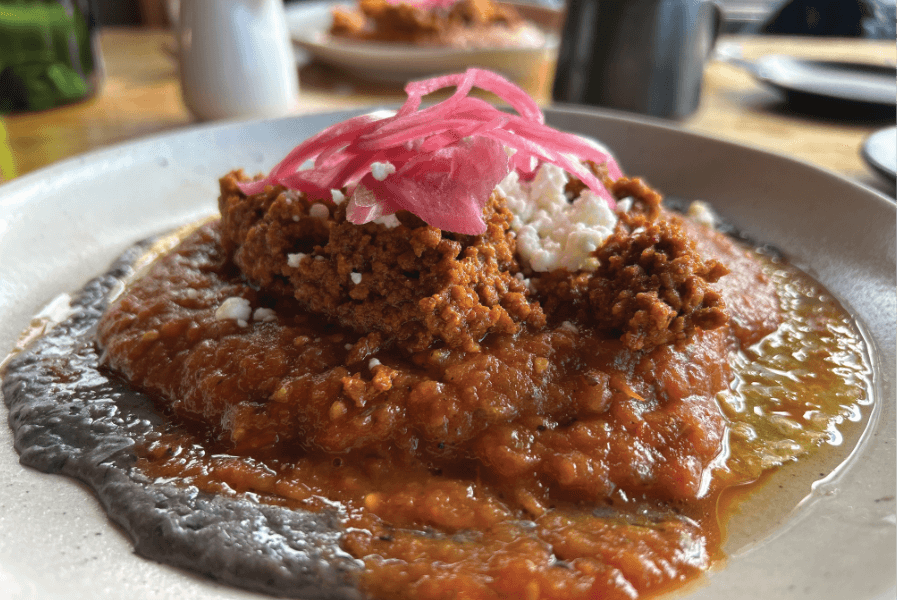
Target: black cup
{"type": "Point", "coordinates": [642, 56]}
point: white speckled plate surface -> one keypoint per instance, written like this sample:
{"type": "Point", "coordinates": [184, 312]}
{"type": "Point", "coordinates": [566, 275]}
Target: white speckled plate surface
{"type": "Point", "coordinates": [64, 224]}
{"type": "Point", "coordinates": [309, 23]}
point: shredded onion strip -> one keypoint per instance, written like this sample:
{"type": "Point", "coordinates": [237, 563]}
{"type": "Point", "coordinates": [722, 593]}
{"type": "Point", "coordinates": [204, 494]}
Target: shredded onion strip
{"type": "Point", "coordinates": [447, 158]}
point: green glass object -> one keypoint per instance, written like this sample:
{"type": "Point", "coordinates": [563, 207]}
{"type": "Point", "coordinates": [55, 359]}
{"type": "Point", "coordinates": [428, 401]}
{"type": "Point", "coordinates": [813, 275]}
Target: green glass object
{"type": "Point", "coordinates": [48, 54]}
{"type": "Point", "coordinates": [7, 165]}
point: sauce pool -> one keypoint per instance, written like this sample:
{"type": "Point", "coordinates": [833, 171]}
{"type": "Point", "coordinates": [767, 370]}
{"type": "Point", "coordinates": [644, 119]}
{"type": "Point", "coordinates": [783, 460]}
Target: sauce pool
{"type": "Point", "coordinates": [423, 527]}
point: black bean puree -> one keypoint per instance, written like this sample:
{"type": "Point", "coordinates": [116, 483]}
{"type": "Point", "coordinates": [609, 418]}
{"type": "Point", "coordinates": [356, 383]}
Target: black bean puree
{"type": "Point", "coordinates": [71, 418]}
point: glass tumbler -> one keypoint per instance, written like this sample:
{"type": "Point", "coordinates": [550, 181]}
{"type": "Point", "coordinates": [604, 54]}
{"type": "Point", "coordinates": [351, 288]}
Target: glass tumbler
{"type": "Point", "coordinates": [49, 54]}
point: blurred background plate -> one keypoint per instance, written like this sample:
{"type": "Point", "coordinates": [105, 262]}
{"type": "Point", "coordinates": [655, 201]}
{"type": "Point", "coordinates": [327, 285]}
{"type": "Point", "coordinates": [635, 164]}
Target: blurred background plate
{"type": "Point", "coordinates": [309, 23]}
{"type": "Point", "coordinates": [802, 79]}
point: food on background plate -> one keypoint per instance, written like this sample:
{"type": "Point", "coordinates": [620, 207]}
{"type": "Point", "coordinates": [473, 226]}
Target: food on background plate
{"type": "Point", "coordinates": [441, 23]}
{"type": "Point", "coordinates": [446, 351]}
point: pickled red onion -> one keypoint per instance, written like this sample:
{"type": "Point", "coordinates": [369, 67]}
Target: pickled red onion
{"type": "Point", "coordinates": [447, 157]}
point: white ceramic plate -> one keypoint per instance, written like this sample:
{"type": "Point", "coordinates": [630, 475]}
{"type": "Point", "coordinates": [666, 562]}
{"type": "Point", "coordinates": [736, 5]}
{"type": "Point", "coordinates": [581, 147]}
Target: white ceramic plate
{"type": "Point", "coordinates": [880, 152]}
{"type": "Point", "coordinates": [64, 224]}
{"type": "Point", "coordinates": [309, 23]}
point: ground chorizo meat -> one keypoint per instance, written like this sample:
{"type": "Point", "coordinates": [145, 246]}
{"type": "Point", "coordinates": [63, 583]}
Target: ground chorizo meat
{"type": "Point", "coordinates": [412, 282]}
{"type": "Point", "coordinates": [652, 286]}
{"type": "Point", "coordinates": [416, 284]}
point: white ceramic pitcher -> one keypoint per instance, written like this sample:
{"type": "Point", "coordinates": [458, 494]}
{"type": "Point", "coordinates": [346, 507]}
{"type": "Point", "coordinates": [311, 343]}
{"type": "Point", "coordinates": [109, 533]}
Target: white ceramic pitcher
{"type": "Point", "coordinates": [236, 59]}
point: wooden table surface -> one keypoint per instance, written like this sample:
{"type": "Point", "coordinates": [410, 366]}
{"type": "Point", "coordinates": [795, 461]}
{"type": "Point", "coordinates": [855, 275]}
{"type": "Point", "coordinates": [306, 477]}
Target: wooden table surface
{"type": "Point", "coordinates": [141, 96]}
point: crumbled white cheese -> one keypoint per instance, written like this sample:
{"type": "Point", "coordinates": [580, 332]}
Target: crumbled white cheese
{"type": "Point", "coordinates": [380, 170]}
{"type": "Point", "coordinates": [373, 363]}
{"type": "Point", "coordinates": [294, 259]}
{"type": "Point", "coordinates": [355, 277]}
{"type": "Point", "coordinates": [191, 293]}
{"type": "Point", "coordinates": [348, 346]}
{"type": "Point", "coordinates": [319, 211]}
{"type": "Point", "coordinates": [296, 218]}
{"type": "Point", "coordinates": [552, 232]}
{"type": "Point", "coordinates": [234, 308]}
{"type": "Point", "coordinates": [702, 213]}
{"type": "Point", "coordinates": [338, 197]}
{"type": "Point", "coordinates": [389, 221]}
{"type": "Point", "coordinates": [320, 257]}
{"type": "Point", "coordinates": [264, 314]}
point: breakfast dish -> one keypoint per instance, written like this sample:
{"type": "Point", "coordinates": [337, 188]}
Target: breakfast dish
{"type": "Point", "coordinates": [536, 38]}
{"type": "Point", "coordinates": [449, 23]}
{"type": "Point", "coordinates": [495, 404]}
